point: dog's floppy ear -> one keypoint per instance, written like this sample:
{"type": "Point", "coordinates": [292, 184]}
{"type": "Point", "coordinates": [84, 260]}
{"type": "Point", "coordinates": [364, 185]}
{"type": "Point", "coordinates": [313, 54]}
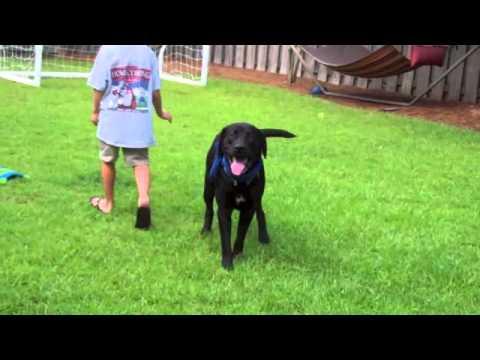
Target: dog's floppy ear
{"type": "Point", "coordinates": [265, 133]}
{"type": "Point", "coordinates": [264, 146]}
{"type": "Point", "coordinates": [277, 133]}
{"type": "Point", "coordinates": [220, 138]}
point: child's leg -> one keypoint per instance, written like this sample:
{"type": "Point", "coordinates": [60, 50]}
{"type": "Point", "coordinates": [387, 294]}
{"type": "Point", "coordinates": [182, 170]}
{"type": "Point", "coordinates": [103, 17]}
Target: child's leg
{"type": "Point", "coordinates": [108, 155]}
{"type": "Point", "coordinates": [138, 159]}
{"type": "Point", "coordinates": [142, 176]}
{"type": "Point", "coordinates": [108, 175]}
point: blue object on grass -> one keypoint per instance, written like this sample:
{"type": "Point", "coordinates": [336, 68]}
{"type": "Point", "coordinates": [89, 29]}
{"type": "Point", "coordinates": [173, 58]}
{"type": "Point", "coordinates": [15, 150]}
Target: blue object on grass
{"type": "Point", "coordinates": [316, 91]}
{"type": "Point", "coordinates": [7, 174]}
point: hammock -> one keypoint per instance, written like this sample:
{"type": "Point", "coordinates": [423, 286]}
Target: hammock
{"type": "Point", "coordinates": [357, 60]}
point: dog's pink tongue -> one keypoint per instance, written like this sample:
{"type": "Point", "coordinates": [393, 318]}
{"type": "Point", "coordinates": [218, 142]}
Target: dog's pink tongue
{"type": "Point", "coordinates": [237, 167]}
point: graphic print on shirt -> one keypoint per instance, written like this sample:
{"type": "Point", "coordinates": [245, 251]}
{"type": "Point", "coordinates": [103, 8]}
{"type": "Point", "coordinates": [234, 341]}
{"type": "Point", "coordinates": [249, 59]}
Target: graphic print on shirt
{"type": "Point", "coordinates": [129, 88]}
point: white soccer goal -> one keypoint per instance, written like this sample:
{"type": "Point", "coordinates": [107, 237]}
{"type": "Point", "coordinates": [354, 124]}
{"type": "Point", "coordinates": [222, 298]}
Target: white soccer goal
{"type": "Point", "coordinates": [29, 64]}
{"type": "Point", "coordinates": [21, 63]}
{"type": "Point", "coordinates": [186, 64]}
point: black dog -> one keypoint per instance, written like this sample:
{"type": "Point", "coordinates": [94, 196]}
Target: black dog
{"type": "Point", "coordinates": [236, 178]}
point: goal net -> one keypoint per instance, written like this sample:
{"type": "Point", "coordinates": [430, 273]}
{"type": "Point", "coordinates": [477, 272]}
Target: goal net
{"type": "Point", "coordinates": [68, 61]}
{"type": "Point", "coordinates": [21, 63]}
{"type": "Point", "coordinates": [184, 63]}
{"type": "Point", "coordinates": [30, 63]}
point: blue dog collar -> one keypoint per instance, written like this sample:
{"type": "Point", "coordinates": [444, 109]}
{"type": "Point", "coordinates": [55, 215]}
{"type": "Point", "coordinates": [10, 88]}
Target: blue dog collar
{"type": "Point", "coordinates": [220, 161]}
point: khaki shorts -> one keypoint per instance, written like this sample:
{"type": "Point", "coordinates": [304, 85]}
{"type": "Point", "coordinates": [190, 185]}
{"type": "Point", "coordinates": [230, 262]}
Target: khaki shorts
{"type": "Point", "coordinates": [133, 157]}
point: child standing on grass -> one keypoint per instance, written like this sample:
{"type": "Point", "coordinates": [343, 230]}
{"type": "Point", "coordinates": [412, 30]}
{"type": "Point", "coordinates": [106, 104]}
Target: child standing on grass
{"type": "Point", "coordinates": [126, 85]}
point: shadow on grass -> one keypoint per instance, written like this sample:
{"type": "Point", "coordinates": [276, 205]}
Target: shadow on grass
{"type": "Point", "coordinates": [301, 249]}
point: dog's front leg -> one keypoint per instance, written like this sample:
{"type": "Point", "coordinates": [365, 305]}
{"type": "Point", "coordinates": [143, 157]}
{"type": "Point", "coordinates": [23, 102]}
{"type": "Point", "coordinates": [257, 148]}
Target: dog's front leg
{"type": "Point", "coordinates": [243, 225]}
{"type": "Point", "coordinates": [262, 225]}
{"type": "Point", "coordinates": [208, 195]}
{"type": "Point", "coordinates": [225, 223]}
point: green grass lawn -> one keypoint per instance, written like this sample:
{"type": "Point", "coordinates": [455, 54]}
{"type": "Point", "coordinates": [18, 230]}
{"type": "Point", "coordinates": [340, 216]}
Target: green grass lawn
{"type": "Point", "coordinates": [369, 213]}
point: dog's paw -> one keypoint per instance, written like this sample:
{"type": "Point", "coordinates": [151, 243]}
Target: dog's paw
{"type": "Point", "coordinates": [227, 264]}
{"type": "Point", "coordinates": [264, 239]}
{"type": "Point", "coordinates": [205, 232]}
{"type": "Point", "coordinates": [237, 254]}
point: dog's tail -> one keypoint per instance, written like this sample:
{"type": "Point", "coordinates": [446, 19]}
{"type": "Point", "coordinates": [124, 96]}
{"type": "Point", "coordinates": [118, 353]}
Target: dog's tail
{"type": "Point", "coordinates": [277, 133]}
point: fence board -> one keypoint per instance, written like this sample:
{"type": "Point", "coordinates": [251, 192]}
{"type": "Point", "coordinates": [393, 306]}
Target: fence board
{"type": "Point", "coordinates": [407, 83]}
{"type": "Point", "coordinates": [273, 54]}
{"type": "Point", "coordinates": [310, 64]}
{"type": "Point", "coordinates": [362, 83]}
{"type": "Point", "coordinates": [322, 73]}
{"type": "Point", "coordinates": [212, 53]}
{"type": "Point", "coordinates": [406, 79]}
{"type": "Point", "coordinates": [300, 65]}
{"type": "Point", "coordinates": [422, 79]}
{"type": "Point", "coordinates": [316, 69]}
{"type": "Point", "coordinates": [250, 63]}
{"type": "Point", "coordinates": [284, 60]}
{"type": "Point", "coordinates": [391, 83]}
{"type": "Point", "coordinates": [437, 93]}
{"type": "Point", "coordinates": [262, 57]}
{"type": "Point", "coordinates": [239, 56]}
{"type": "Point", "coordinates": [348, 80]}
{"type": "Point", "coordinates": [300, 70]}
{"type": "Point", "coordinates": [472, 77]}
{"type": "Point", "coordinates": [376, 84]}
{"type": "Point", "coordinates": [335, 78]}
{"type": "Point", "coordinates": [218, 51]}
{"type": "Point", "coordinates": [228, 60]}
{"type": "Point", "coordinates": [454, 79]}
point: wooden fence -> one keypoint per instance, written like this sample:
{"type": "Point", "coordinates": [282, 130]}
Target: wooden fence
{"type": "Point", "coordinates": [463, 84]}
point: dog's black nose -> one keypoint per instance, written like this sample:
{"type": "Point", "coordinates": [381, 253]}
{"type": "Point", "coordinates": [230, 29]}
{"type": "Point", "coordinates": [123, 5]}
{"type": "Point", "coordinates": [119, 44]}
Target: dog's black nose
{"type": "Point", "coordinates": [239, 148]}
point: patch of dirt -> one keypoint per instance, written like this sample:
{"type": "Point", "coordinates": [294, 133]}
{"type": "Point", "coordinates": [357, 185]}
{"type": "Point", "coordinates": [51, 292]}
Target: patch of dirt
{"type": "Point", "coordinates": [453, 113]}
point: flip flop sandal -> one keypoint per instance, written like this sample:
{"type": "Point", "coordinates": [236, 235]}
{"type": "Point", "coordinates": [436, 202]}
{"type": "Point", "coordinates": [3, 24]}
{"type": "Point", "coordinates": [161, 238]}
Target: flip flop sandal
{"type": "Point", "coordinates": [97, 204]}
{"type": "Point", "coordinates": [143, 218]}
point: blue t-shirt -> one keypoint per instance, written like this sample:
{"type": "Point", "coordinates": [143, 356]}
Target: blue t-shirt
{"type": "Point", "coordinates": [127, 74]}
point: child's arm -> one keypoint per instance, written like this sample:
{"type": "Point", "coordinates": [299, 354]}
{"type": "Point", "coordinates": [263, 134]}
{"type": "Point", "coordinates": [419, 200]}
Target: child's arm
{"type": "Point", "coordinates": [97, 98]}
{"type": "Point", "coordinates": [157, 103]}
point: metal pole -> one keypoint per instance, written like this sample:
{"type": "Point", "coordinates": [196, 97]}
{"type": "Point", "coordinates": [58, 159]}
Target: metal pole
{"type": "Point", "coordinates": [38, 65]}
{"type": "Point", "coordinates": [205, 63]}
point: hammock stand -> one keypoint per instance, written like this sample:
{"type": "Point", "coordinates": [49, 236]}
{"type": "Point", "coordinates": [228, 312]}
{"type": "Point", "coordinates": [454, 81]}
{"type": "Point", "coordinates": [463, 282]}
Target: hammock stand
{"type": "Point", "coordinates": [357, 60]}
